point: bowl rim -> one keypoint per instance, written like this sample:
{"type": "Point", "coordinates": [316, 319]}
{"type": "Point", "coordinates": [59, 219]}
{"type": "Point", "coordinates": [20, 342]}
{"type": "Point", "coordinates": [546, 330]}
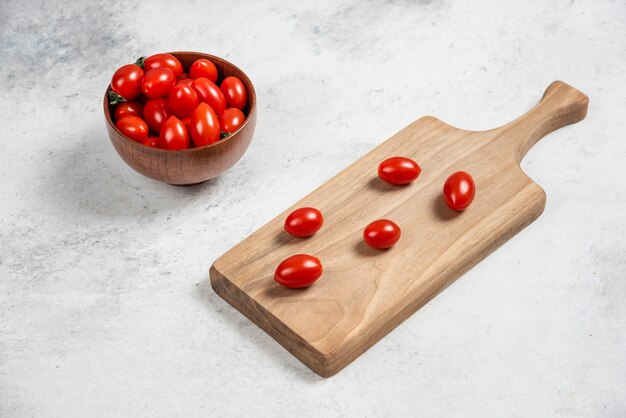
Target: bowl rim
{"type": "Point", "coordinates": [251, 95]}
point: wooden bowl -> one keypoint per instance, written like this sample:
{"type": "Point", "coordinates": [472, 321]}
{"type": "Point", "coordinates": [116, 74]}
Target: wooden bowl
{"type": "Point", "coordinates": [193, 165]}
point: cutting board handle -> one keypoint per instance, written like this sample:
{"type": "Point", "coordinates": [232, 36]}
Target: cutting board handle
{"type": "Point", "coordinates": [560, 105]}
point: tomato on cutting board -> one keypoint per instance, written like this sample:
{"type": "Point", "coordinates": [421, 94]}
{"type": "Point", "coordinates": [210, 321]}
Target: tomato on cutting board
{"type": "Point", "coordinates": [381, 234]}
{"type": "Point", "coordinates": [298, 271]}
{"type": "Point", "coordinates": [399, 170]}
{"type": "Point", "coordinates": [304, 222]}
{"type": "Point", "coordinates": [459, 190]}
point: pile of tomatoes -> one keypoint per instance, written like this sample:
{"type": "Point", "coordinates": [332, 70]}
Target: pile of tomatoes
{"type": "Point", "coordinates": [161, 104]}
{"type": "Point", "coordinates": [302, 270]}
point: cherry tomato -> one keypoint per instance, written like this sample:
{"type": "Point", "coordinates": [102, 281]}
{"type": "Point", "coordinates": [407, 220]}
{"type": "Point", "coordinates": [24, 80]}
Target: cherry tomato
{"type": "Point", "coordinates": [158, 82]}
{"type": "Point", "coordinates": [304, 222]}
{"type": "Point", "coordinates": [381, 234]}
{"type": "Point", "coordinates": [163, 61]}
{"type": "Point", "coordinates": [231, 119]}
{"type": "Point", "coordinates": [134, 108]}
{"type": "Point", "coordinates": [399, 170]}
{"type": "Point", "coordinates": [183, 100]}
{"type": "Point", "coordinates": [126, 82]}
{"type": "Point", "coordinates": [185, 81]}
{"type": "Point", "coordinates": [133, 127]}
{"type": "Point", "coordinates": [204, 126]}
{"type": "Point", "coordinates": [183, 76]}
{"type": "Point", "coordinates": [150, 141]}
{"type": "Point", "coordinates": [235, 92]}
{"type": "Point", "coordinates": [173, 135]}
{"type": "Point", "coordinates": [203, 68]}
{"type": "Point", "coordinates": [210, 94]}
{"type": "Point", "coordinates": [156, 112]}
{"type": "Point", "coordinates": [459, 190]}
{"type": "Point", "coordinates": [298, 271]}
{"type": "Point", "coordinates": [187, 123]}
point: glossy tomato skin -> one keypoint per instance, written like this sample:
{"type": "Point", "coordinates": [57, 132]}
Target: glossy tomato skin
{"type": "Point", "coordinates": [203, 68]}
{"type": "Point", "coordinates": [126, 81]}
{"type": "Point", "coordinates": [183, 100]}
{"type": "Point", "coordinates": [163, 61]}
{"type": "Point", "coordinates": [399, 170]}
{"type": "Point", "coordinates": [304, 222]}
{"type": "Point", "coordinates": [235, 92]}
{"type": "Point", "coordinates": [381, 234]}
{"type": "Point", "coordinates": [132, 108]}
{"type": "Point", "coordinates": [231, 119]}
{"type": "Point", "coordinates": [173, 135]}
{"type": "Point", "coordinates": [150, 141]}
{"type": "Point", "coordinates": [158, 82]}
{"type": "Point", "coordinates": [133, 127]}
{"type": "Point", "coordinates": [298, 271]}
{"type": "Point", "coordinates": [185, 81]}
{"type": "Point", "coordinates": [210, 94]}
{"type": "Point", "coordinates": [459, 191]}
{"type": "Point", "coordinates": [155, 113]}
{"type": "Point", "coordinates": [204, 126]}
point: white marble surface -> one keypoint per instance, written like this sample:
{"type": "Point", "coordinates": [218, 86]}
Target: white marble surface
{"type": "Point", "coordinates": [105, 307]}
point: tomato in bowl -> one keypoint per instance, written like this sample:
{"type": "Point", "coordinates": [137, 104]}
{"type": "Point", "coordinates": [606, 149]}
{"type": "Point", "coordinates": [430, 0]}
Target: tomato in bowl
{"type": "Point", "coordinates": [189, 165]}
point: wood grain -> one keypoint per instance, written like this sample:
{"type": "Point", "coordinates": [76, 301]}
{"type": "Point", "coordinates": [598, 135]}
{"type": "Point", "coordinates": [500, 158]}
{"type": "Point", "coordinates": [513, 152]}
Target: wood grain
{"type": "Point", "coordinates": [365, 293]}
{"type": "Point", "coordinates": [194, 165]}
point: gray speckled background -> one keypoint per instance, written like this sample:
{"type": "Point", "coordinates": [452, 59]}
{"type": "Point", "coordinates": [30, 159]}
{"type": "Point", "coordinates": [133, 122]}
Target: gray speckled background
{"type": "Point", "coordinates": [105, 307]}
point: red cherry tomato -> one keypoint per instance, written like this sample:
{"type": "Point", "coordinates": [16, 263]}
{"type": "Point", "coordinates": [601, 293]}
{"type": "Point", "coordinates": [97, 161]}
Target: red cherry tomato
{"type": "Point", "coordinates": [163, 61]}
{"type": "Point", "coordinates": [183, 100]}
{"type": "Point", "coordinates": [399, 170]}
{"type": "Point", "coordinates": [133, 127]}
{"type": "Point", "coordinates": [185, 81]}
{"type": "Point", "coordinates": [158, 82]}
{"type": "Point", "coordinates": [231, 119]}
{"type": "Point", "coordinates": [155, 113]}
{"type": "Point", "coordinates": [381, 234]}
{"type": "Point", "coordinates": [134, 108]}
{"type": "Point", "coordinates": [204, 126]}
{"type": "Point", "coordinates": [235, 92]}
{"type": "Point", "coordinates": [203, 68]}
{"type": "Point", "coordinates": [150, 141]}
{"type": "Point", "coordinates": [298, 271]}
{"type": "Point", "coordinates": [304, 222]}
{"type": "Point", "coordinates": [126, 82]}
{"type": "Point", "coordinates": [459, 190]}
{"type": "Point", "coordinates": [210, 94]}
{"type": "Point", "coordinates": [173, 135]}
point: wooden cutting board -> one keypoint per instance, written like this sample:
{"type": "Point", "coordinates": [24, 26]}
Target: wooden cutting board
{"type": "Point", "coordinates": [365, 293]}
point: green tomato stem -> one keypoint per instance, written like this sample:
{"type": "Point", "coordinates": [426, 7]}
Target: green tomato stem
{"type": "Point", "coordinates": [115, 98]}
